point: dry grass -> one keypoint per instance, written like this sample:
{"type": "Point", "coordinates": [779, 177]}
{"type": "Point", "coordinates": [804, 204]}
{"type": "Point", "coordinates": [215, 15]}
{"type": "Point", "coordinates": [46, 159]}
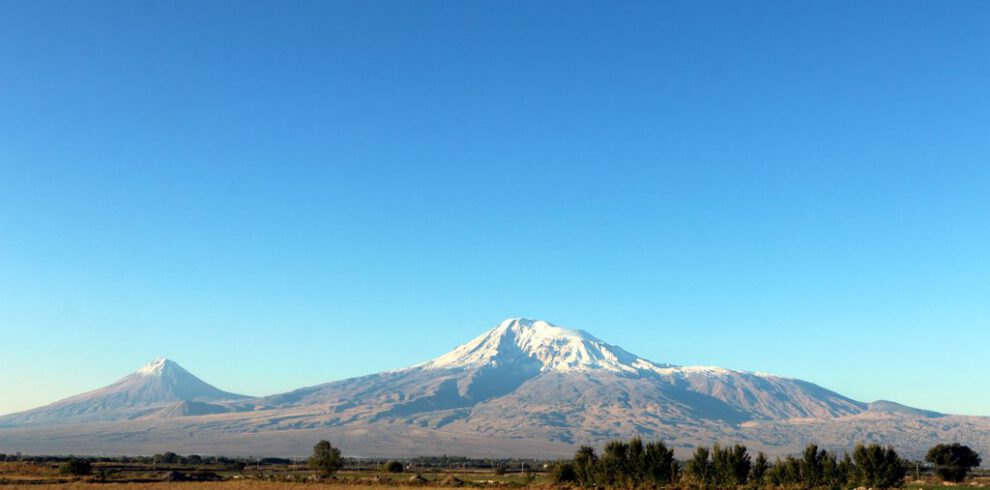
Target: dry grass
{"type": "Point", "coordinates": [224, 485]}
{"type": "Point", "coordinates": [10, 469]}
{"type": "Point", "coordinates": [40, 476]}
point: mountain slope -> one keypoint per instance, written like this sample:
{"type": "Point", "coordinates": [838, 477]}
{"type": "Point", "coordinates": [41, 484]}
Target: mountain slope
{"type": "Point", "coordinates": [152, 388]}
{"type": "Point", "coordinates": [514, 362]}
{"type": "Point", "coordinates": [523, 388]}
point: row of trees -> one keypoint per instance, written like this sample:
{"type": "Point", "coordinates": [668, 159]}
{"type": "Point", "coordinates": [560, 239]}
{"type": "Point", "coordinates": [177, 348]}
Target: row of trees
{"type": "Point", "coordinates": [162, 458]}
{"type": "Point", "coordinates": [632, 464]}
{"type": "Point", "coordinates": [621, 464]}
{"type": "Point", "coordinates": [195, 459]}
{"type": "Point", "coordinates": [871, 466]}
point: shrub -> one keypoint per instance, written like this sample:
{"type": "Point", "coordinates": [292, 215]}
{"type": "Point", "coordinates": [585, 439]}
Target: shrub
{"type": "Point", "coordinates": [394, 467]}
{"type": "Point", "coordinates": [564, 472]}
{"type": "Point", "coordinates": [529, 476]}
{"type": "Point", "coordinates": [75, 467]}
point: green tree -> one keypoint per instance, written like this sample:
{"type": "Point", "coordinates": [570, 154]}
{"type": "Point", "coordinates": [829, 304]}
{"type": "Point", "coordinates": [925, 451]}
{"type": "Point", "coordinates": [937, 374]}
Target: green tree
{"type": "Point", "coordinates": [393, 467]}
{"type": "Point", "coordinates": [166, 458]}
{"type": "Point", "coordinates": [635, 471]}
{"type": "Point", "coordinates": [628, 464]}
{"type": "Point", "coordinates": [792, 470]}
{"type": "Point", "coordinates": [659, 465]}
{"type": "Point", "coordinates": [830, 468]}
{"type": "Point", "coordinates": [326, 459]}
{"type": "Point", "coordinates": [700, 466]}
{"type": "Point", "coordinates": [813, 466]}
{"type": "Point", "coordinates": [759, 469]}
{"type": "Point", "coordinates": [878, 467]}
{"type": "Point", "coordinates": [953, 461]}
{"type": "Point", "coordinates": [844, 470]}
{"type": "Point", "coordinates": [730, 466]}
{"type": "Point", "coordinates": [76, 467]}
{"type": "Point", "coordinates": [585, 466]}
{"type": "Point", "coordinates": [614, 467]}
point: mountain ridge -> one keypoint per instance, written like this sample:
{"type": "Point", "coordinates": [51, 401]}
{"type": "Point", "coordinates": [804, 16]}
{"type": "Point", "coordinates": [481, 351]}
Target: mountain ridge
{"type": "Point", "coordinates": [525, 385]}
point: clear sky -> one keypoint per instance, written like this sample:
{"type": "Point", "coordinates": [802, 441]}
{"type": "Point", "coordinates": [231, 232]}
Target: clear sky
{"type": "Point", "coordinates": [280, 194]}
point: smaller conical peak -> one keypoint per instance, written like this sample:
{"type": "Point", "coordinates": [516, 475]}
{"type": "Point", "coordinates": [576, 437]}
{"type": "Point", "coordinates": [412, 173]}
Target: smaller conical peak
{"type": "Point", "coordinates": [155, 367]}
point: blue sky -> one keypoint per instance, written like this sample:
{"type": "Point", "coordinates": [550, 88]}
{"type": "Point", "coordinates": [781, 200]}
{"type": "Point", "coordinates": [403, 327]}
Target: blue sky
{"type": "Point", "coordinates": [282, 194]}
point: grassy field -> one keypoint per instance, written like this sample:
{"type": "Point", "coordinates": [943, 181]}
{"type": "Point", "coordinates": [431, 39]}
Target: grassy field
{"type": "Point", "coordinates": [224, 485]}
{"type": "Point", "coordinates": [119, 476]}
{"type": "Point", "coordinates": [972, 483]}
{"type": "Point", "coordinates": [251, 484]}
{"type": "Point", "coordinates": [113, 476]}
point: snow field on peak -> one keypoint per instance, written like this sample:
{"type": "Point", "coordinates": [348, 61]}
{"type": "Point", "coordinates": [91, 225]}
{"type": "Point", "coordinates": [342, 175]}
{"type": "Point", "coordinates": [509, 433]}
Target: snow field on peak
{"type": "Point", "coordinates": [154, 367]}
{"type": "Point", "coordinates": [556, 349]}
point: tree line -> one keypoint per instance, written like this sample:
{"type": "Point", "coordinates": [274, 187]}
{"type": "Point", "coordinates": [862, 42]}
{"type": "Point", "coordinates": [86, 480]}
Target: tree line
{"type": "Point", "coordinates": [161, 458]}
{"type": "Point", "coordinates": [633, 463]}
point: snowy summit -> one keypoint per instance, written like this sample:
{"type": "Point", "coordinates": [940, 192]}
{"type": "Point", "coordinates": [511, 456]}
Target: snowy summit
{"type": "Point", "coordinates": [155, 367]}
{"type": "Point", "coordinates": [554, 348]}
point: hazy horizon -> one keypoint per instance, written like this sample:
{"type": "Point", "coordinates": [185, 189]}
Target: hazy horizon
{"type": "Point", "coordinates": [277, 196]}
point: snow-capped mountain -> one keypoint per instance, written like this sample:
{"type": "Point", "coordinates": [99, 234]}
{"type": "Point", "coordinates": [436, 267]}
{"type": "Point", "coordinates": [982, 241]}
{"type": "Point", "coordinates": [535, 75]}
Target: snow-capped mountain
{"type": "Point", "coordinates": [537, 346]}
{"type": "Point", "coordinates": [523, 388]}
{"type": "Point", "coordinates": [156, 386]}
{"type": "Point", "coordinates": [532, 358]}
{"type": "Point", "coordinates": [545, 347]}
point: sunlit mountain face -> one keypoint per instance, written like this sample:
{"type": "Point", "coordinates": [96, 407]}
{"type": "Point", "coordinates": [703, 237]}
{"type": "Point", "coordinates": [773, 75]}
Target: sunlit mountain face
{"type": "Point", "coordinates": [523, 388]}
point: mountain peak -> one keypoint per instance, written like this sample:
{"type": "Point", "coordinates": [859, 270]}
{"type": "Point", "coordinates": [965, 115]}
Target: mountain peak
{"type": "Point", "coordinates": [156, 367]}
{"type": "Point", "coordinates": [541, 329]}
{"type": "Point", "coordinates": [548, 347]}
{"type": "Point", "coordinates": [154, 386]}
